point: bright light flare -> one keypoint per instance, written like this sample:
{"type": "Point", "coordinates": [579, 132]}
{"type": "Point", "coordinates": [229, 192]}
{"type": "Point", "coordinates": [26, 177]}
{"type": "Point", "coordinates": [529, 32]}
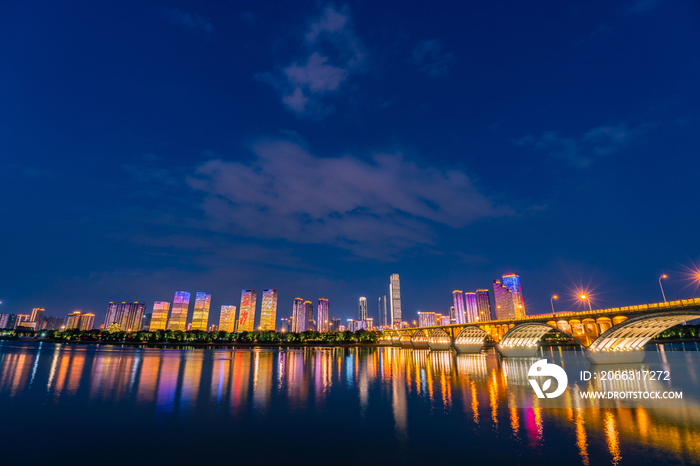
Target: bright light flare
{"type": "Point", "coordinates": [691, 275]}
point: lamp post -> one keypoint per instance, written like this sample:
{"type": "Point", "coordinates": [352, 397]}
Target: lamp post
{"type": "Point", "coordinates": [551, 301]}
{"type": "Point", "coordinates": [664, 276]}
{"type": "Point", "coordinates": [585, 298]}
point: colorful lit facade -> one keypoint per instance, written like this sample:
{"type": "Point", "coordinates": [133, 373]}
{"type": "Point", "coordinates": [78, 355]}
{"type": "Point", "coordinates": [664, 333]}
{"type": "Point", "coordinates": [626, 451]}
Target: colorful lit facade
{"type": "Point", "coordinates": [426, 319]}
{"type": "Point", "coordinates": [483, 305]}
{"type": "Point", "coordinates": [470, 307]}
{"type": "Point", "coordinates": [512, 282]}
{"type": "Point", "coordinates": [200, 316]}
{"type": "Point", "coordinates": [181, 306]}
{"type": "Point", "coordinates": [504, 301]}
{"type": "Point", "coordinates": [458, 300]}
{"type": "Point", "coordinates": [453, 319]}
{"type": "Point", "coordinates": [37, 315]}
{"type": "Point", "coordinates": [309, 313]}
{"type": "Point", "coordinates": [3, 320]}
{"type": "Point", "coordinates": [159, 316]}
{"type": "Point", "coordinates": [227, 319]}
{"type": "Point", "coordinates": [87, 321]}
{"type": "Point", "coordinates": [322, 321]}
{"type": "Point", "coordinates": [383, 317]}
{"type": "Point", "coordinates": [395, 300]}
{"type": "Point", "coordinates": [335, 325]}
{"type": "Point", "coordinates": [268, 310]}
{"type": "Point", "coordinates": [285, 325]}
{"type": "Point", "coordinates": [73, 321]}
{"type": "Point", "coordinates": [246, 316]}
{"type": "Point", "coordinates": [362, 309]}
{"type": "Point", "coordinates": [298, 316]}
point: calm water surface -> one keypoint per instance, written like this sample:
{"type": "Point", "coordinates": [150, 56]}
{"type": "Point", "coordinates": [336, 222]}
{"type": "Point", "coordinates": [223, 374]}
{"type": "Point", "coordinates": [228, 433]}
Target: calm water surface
{"type": "Point", "coordinates": [119, 405]}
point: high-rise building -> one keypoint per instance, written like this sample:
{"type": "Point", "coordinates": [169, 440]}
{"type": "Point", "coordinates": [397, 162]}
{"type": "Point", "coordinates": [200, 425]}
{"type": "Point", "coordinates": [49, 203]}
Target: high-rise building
{"type": "Point", "coordinates": [146, 322]}
{"type": "Point", "coordinates": [285, 325]}
{"type": "Point", "coordinates": [504, 301]}
{"type": "Point", "coordinates": [125, 316]}
{"type": "Point", "coordinates": [53, 323]}
{"type": "Point", "coordinates": [246, 316]}
{"type": "Point", "coordinates": [395, 298]}
{"type": "Point", "coordinates": [298, 316]}
{"type": "Point", "coordinates": [444, 320]}
{"type": "Point", "coordinates": [200, 316]}
{"type": "Point", "coordinates": [227, 319]}
{"type": "Point", "coordinates": [483, 305]}
{"type": "Point", "coordinates": [362, 309]}
{"type": "Point", "coordinates": [458, 299]}
{"type": "Point", "coordinates": [3, 320]}
{"type": "Point", "coordinates": [370, 323]}
{"type": "Point", "coordinates": [73, 321]}
{"type": "Point", "coordinates": [309, 313]}
{"type": "Point", "coordinates": [37, 316]}
{"type": "Point", "coordinates": [87, 321]}
{"type": "Point", "coordinates": [21, 320]}
{"type": "Point", "coordinates": [452, 314]}
{"type": "Point", "coordinates": [159, 316]}
{"type": "Point", "coordinates": [11, 321]}
{"type": "Point", "coordinates": [470, 307]}
{"type": "Point", "coordinates": [181, 307]}
{"type": "Point", "coordinates": [334, 325]}
{"type": "Point", "coordinates": [268, 310]}
{"type": "Point", "coordinates": [426, 319]}
{"type": "Point", "coordinates": [512, 281]}
{"type": "Point", "coordinates": [322, 315]}
{"type": "Point", "coordinates": [383, 318]}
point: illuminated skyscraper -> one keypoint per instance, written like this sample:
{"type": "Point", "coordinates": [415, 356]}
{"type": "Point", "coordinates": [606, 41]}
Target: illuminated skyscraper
{"type": "Point", "coordinates": [383, 317]}
{"type": "Point", "coordinates": [159, 317]}
{"type": "Point", "coordinates": [146, 322]}
{"type": "Point", "coordinates": [470, 307]}
{"type": "Point", "coordinates": [335, 325]}
{"type": "Point", "coordinates": [73, 321]}
{"type": "Point", "coordinates": [37, 316]}
{"type": "Point", "coordinates": [370, 323]}
{"type": "Point", "coordinates": [298, 316]}
{"type": "Point", "coordinates": [200, 316]}
{"type": "Point", "coordinates": [504, 301]}
{"type": "Point", "coordinates": [453, 319]}
{"type": "Point", "coordinates": [181, 306]}
{"type": "Point", "coordinates": [87, 321]}
{"type": "Point", "coordinates": [483, 305]}
{"type": "Point", "coordinates": [458, 299]}
{"type": "Point", "coordinates": [322, 319]}
{"type": "Point", "coordinates": [227, 319]}
{"type": "Point", "coordinates": [128, 316]}
{"type": "Point", "coordinates": [3, 320]}
{"type": "Point", "coordinates": [246, 316]}
{"type": "Point", "coordinates": [395, 299]}
{"type": "Point", "coordinates": [285, 325]}
{"type": "Point", "coordinates": [268, 310]}
{"type": "Point", "coordinates": [309, 313]}
{"type": "Point", "coordinates": [512, 281]}
{"type": "Point", "coordinates": [362, 309]}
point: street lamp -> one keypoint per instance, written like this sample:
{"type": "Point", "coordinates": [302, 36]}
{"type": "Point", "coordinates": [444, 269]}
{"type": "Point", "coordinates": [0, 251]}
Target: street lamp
{"type": "Point", "coordinates": [664, 276]}
{"type": "Point", "coordinates": [551, 301]}
{"type": "Point", "coordinates": [585, 298]}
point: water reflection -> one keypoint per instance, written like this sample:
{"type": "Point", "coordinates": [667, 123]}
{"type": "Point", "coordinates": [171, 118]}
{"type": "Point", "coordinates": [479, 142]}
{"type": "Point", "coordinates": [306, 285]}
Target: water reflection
{"type": "Point", "coordinates": [483, 392]}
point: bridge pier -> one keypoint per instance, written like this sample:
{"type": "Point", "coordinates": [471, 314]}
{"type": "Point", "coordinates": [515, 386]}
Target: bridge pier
{"type": "Point", "coordinates": [614, 357]}
{"type": "Point", "coordinates": [468, 347]}
{"type": "Point", "coordinates": [518, 351]}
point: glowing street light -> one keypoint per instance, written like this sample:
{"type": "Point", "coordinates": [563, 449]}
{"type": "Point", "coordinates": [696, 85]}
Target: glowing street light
{"type": "Point", "coordinates": [585, 298]}
{"type": "Point", "coordinates": [551, 301]}
{"type": "Point", "coordinates": [664, 276]}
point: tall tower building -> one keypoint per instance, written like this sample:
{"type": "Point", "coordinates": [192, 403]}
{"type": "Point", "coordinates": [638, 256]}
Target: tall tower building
{"type": "Point", "coordinates": [246, 316]}
{"type": "Point", "coordinates": [87, 321]}
{"type": "Point", "coordinates": [452, 314]}
{"type": "Point", "coordinates": [127, 316]}
{"type": "Point", "coordinates": [3, 320]}
{"type": "Point", "coordinates": [470, 307]}
{"type": "Point", "coordinates": [309, 313]}
{"type": "Point", "coordinates": [322, 321]}
{"type": "Point", "coordinates": [504, 301]}
{"type": "Point", "coordinates": [37, 315]}
{"type": "Point", "coordinates": [483, 305]}
{"type": "Point", "coordinates": [73, 321]}
{"type": "Point", "coordinates": [362, 309]}
{"type": "Point", "coordinates": [200, 316]}
{"type": "Point", "coordinates": [268, 310]}
{"type": "Point", "coordinates": [227, 319]}
{"type": "Point", "coordinates": [395, 298]}
{"type": "Point", "coordinates": [383, 318]}
{"type": "Point", "coordinates": [458, 299]}
{"type": "Point", "coordinates": [181, 306]}
{"type": "Point", "coordinates": [298, 316]}
{"type": "Point", "coordinates": [159, 317]}
{"type": "Point", "coordinates": [512, 281]}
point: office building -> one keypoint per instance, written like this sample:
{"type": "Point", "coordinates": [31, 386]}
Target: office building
{"type": "Point", "coordinates": [87, 321]}
{"type": "Point", "coordinates": [452, 314]}
{"type": "Point", "coordinates": [200, 316]}
{"type": "Point", "coordinates": [146, 322]}
{"type": "Point", "coordinates": [309, 312]}
{"type": "Point", "coordinates": [181, 307]}
{"type": "Point", "coordinates": [73, 321]}
{"type": "Point", "coordinates": [125, 316]}
{"type": "Point", "coordinates": [3, 320]}
{"type": "Point", "coordinates": [504, 301]}
{"type": "Point", "coordinates": [37, 317]}
{"type": "Point", "coordinates": [52, 323]}
{"type": "Point", "coordinates": [470, 307]}
{"type": "Point", "coordinates": [512, 282]}
{"type": "Point", "coordinates": [444, 320]}
{"type": "Point", "coordinates": [159, 316]}
{"type": "Point", "coordinates": [285, 325]}
{"type": "Point", "coordinates": [362, 309]}
{"type": "Point", "coordinates": [458, 300]}
{"type": "Point", "coordinates": [21, 321]}
{"type": "Point", "coordinates": [268, 310]}
{"type": "Point", "coordinates": [246, 315]}
{"type": "Point", "coordinates": [298, 316]}
{"type": "Point", "coordinates": [227, 318]}
{"type": "Point", "coordinates": [11, 321]}
{"type": "Point", "coordinates": [370, 323]}
{"type": "Point", "coordinates": [322, 315]}
{"type": "Point", "coordinates": [383, 317]}
{"type": "Point", "coordinates": [426, 319]}
{"type": "Point", "coordinates": [483, 305]}
{"type": "Point", "coordinates": [335, 325]}
{"type": "Point", "coordinates": [395, 299]}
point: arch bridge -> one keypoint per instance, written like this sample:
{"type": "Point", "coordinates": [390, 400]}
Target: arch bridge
{"type": "Point", "coordinates": [615, 335]}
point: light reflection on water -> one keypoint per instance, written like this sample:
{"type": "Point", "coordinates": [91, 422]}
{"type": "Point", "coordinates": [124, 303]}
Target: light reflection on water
{"type": "Point", "coordinates": [406, 396]}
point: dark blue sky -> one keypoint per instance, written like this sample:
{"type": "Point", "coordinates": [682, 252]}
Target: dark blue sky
{"type": "Point", "coordinates": [316, 148]}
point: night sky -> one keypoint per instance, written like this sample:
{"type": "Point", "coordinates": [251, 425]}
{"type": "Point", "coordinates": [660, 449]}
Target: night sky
{"type": "Point", "coordinates": [317, 148]}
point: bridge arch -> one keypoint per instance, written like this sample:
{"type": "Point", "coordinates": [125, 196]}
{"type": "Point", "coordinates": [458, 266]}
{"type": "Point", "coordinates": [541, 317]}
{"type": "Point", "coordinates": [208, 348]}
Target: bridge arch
{"type": "Point", "coordinates": [470, 340]}
{"type": "Point", "coordinates": [439, 340]}
{"type": "Point", "coordinates": [522, 339]}
{"type": "Point", "coordinates": [405, 339]}
{"type": "Point", "coordinates": [419, 339]}
{"type": "Point", "coordinates": [396, 338]}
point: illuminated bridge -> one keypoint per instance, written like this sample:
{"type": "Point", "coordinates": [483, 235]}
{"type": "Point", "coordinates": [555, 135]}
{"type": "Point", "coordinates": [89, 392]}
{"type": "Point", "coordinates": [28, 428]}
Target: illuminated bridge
{"type": "Point", "coordinates": [615, 335]}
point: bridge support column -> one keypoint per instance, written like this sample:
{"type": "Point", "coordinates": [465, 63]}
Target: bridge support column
{"type": "Point", "coordinates": [468, 347]}
{"type": "Point", "coordinates": [614, 357]}
{"type": "Point", "coordinates": [518, 351]}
